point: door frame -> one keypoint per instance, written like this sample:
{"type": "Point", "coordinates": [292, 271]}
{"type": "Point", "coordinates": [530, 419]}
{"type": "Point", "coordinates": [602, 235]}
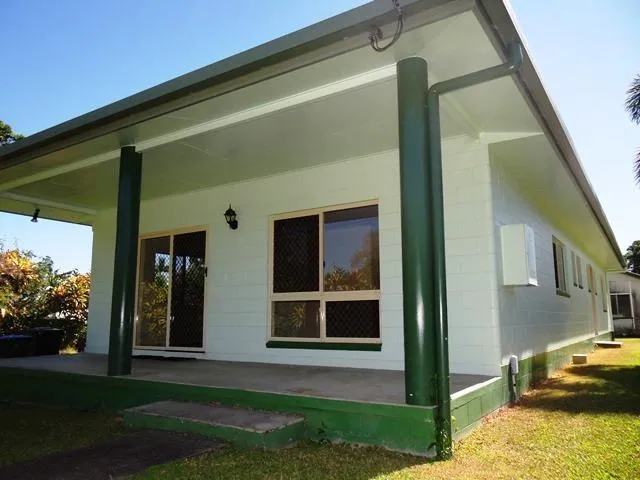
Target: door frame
{"type": "Point", "coordinates": [591, 283]}
{"type": "Point", "coordinates": [171, 233]}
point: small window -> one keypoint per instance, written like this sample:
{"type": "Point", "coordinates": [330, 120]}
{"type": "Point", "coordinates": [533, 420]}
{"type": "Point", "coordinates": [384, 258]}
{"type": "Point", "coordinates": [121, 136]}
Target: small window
{"type": "Point", "coordinates": [574, 268]}
{"type": "Point", "coordinates": [605, 297]}
{"type": "Point", "coordinates": [579, 271]}
{"type": "Point", "coordinates": [621, 305]}
{"type": "Point", "coordinates": [559, 267]}
{"type": "Point", "coordinates": [325, 276]}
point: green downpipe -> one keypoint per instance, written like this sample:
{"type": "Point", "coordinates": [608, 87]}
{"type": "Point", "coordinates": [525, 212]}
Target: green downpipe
{"type": "Point", "coordinates": [126, 254]}
{"type": "Point", "coordinates": [443, 415]}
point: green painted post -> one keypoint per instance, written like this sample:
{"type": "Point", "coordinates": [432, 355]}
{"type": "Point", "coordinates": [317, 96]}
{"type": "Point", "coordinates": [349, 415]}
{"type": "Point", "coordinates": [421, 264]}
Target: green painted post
{"type": "Point", "coordinates": [417, 260]}
{"type": "Point", "coordinates": [126, 254]}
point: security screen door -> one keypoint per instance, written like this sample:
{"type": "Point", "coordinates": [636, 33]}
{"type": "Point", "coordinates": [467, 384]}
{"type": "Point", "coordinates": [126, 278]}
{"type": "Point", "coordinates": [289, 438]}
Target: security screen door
{"type": "Point", "coordinates": [170, 296]}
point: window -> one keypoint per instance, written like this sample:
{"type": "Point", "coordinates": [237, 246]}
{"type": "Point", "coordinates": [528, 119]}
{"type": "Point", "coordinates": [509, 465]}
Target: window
{"type": "Point", "coordinates": [579, 270]}
{"type": "Point", "coordinates": [559, 268]}
{"type": "Point", "coordinates": [621, 305]}
{"type": "Point", "coordinates": [590, 285]}
{"type": "Point", "coordinates": [325, 276]}
{"type": "Point", "coordinates": [605, 297]}
{"type": "Point", "coordinates": [574, 268]}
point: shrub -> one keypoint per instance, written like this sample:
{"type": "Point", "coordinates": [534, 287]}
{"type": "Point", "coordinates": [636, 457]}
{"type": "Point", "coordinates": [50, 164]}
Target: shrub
{"type": "Point", "coordinates": [34, 294]}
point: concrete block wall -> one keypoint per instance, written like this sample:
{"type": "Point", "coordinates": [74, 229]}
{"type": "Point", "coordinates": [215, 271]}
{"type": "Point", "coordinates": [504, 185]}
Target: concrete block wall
{"type": "Point", "coordinates": [237, 297]}
{"type": "Point", "coordinates": [536, 319]}
{"type": "Point", "coordinates": [470, 258]}
{"type": "Point", "coordinates": [237, 303]}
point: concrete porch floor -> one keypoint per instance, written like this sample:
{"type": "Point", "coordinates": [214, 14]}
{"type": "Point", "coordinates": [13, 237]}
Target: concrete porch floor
{"type": "Point", "coordinates": [361, 385]}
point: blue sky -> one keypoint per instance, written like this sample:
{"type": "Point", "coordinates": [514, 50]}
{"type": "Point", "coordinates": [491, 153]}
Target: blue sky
{"type": "Point", "coordinates": [64, 58]}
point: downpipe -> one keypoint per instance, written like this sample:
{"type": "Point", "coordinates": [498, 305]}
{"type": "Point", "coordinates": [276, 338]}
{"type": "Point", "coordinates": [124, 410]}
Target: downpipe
{"type": "Point", "coordinates": [514, 60]}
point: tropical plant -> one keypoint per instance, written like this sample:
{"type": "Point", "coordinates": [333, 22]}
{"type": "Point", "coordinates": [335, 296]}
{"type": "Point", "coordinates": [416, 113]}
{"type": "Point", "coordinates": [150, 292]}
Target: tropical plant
{"type": "Point", "coordinates": [7, 135]}
{"type": "Point", "coordinates": [632, 106]}
{"type": "Point", "coordinates": [34, 294]}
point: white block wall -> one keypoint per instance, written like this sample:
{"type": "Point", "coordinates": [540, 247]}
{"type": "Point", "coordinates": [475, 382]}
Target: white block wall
{"type": "Point", "coordinates": [237, 297]}
{"type": "Point", "coordinates": [470, 259]}
{"type": "Point", "coordinates": [236, 290]}
{"type": "Point", "coordinates": [535, 319]}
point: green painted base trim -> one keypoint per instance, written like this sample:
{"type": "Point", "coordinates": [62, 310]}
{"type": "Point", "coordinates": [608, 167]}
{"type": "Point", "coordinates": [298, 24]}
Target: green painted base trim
{"type": "Point", "coordinates": [468, 410]}
{"type": "Point", "coordinates": [275, 439]}
{"type": "Point", "coordinates": [396, 427]}
{"type": "Point", "coordinates": [365, 347]}
{"type": "Point", "coordinates": [533, 370]}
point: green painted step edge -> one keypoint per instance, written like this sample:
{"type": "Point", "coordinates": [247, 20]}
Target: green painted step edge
{"type": "Point", "coordinates": [282, 437]}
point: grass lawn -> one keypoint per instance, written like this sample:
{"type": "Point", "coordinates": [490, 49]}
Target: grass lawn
{"type": "Point", "coordinates": [584, 423]}
{"type": "Point", "coordinates": [28, 431]}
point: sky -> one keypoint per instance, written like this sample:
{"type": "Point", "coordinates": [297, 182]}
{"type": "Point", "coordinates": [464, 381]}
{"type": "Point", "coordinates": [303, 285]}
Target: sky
{"type": "Point", "coordinates": [62, 59]}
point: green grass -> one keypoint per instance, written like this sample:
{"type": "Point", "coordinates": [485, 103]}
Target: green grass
{"type": "Point", "coordinates": [28, 431]}
{"type": "Point", "coordinates": [584, 423]}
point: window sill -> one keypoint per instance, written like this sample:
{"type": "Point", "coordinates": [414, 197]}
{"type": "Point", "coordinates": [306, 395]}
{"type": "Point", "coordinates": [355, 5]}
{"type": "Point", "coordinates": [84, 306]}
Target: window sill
{"type": "Point", "coordinates": [366, 347]}
{"type": "Point", "coordinates": [562, 293]}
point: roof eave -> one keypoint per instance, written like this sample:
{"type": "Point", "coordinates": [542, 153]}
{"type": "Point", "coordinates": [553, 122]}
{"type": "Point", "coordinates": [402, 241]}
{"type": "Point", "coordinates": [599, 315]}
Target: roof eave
{"type": "Point", "coordinates": [501, 28]}
{"type": "Point", "coordinates": [353, 24]}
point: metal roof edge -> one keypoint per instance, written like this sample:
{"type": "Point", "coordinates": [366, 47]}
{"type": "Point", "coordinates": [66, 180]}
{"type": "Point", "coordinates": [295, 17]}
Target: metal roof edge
{"type": "Point", "coordinates": [501, 26]}
{"type": "Point", "coordinates": [630, 273]}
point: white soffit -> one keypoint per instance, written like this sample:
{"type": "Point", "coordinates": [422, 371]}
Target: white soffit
{"type": "Point", "coordinates": [532, 165]}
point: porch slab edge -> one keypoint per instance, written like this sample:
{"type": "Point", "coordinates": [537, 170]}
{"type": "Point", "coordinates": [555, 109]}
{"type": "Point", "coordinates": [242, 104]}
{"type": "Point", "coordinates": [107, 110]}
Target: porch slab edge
{"type": "Point", "coordinates": [395, 427]}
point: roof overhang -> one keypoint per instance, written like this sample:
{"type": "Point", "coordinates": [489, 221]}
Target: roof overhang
{"type": "Point", "coordinates": [150, 117]}
{"type": "Point", "coordinates": [307, 46]}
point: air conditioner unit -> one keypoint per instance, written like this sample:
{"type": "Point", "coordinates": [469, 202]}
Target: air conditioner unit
{"type": "Point", "coordinates": [518, 255]}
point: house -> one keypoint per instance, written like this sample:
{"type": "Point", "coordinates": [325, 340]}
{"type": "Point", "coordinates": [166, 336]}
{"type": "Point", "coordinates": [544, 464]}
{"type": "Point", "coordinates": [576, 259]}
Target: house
{"type": "Point", "coordinates": [298, 205]}
{"type": "Point", "coordinates": [625, 310]}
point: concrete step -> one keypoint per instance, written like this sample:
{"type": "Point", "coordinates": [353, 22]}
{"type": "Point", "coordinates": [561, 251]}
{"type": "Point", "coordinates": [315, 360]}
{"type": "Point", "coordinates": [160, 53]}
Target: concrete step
{"type": "Point", "coordinates": [240, 426]}
{"type": "Point", "coordinates": [608, 344]}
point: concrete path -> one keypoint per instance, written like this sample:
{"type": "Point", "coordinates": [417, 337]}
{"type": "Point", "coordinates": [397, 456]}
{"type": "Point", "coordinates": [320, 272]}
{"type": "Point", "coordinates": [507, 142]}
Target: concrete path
{"type": "Point", "coordinates": [121, 456]}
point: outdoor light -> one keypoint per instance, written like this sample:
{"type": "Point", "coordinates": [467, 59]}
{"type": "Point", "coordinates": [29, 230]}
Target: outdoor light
{"type": "Point", "coordinates": [230, 217]}
{"type": "Point", "coordinates": [34, 218]}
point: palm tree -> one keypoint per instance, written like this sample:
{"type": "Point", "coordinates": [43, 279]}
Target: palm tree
{"type": "Point", "coordinates": [633, 107]}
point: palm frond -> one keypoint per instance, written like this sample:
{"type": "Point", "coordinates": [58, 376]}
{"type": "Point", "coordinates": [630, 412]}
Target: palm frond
{"type": "Point", "coordinates": [636, 168]}
{"type": "Point", "coordinates": [632, 105]}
